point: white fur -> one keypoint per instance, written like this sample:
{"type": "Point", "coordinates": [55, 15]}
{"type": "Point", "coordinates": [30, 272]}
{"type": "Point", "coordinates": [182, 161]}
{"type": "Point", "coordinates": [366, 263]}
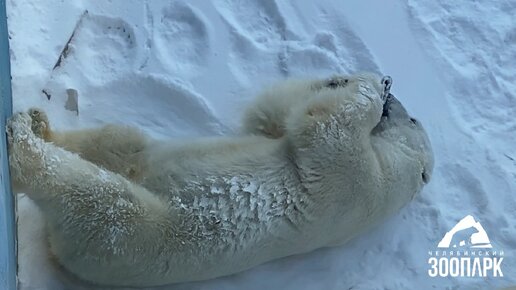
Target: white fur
{"type": "Point", "coordinates": [127, 210]}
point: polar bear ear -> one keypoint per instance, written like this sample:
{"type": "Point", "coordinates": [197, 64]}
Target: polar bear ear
{"type": "Point", "coordinates": [387, 84]}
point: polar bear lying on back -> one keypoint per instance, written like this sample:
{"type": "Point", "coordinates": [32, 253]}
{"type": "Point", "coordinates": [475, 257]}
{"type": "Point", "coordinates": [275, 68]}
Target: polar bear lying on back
{"type": "Point", "coordinates": [325, 159]}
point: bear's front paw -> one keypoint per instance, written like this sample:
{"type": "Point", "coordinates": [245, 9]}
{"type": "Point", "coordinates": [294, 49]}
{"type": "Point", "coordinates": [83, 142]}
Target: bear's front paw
{"type": "Point", "coordinates": [22, 140]}
{"type": "Point", "coordinates": [40, 125]}
{"type": "Point", "coordinates": [19, 127]}
{"type": "Point", "coordinates": [25, 149]}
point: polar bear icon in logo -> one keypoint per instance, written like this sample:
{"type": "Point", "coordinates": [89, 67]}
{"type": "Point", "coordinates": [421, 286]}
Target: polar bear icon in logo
{"type": "Point", "coordinates": [474, 233]}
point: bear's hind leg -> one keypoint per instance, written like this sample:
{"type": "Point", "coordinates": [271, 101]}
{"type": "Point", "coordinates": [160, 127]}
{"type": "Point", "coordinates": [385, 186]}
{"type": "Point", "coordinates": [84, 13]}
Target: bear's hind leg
{"type": "Point", "coordinates": [267, 112]}
{"type": "Point", "coordinates": [114, 147]}
{"type": "Point", "coordinates": [97, 220]}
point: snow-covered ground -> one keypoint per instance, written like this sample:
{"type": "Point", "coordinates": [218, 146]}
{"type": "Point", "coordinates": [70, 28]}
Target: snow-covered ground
{"type": "Point", "coordinates": [186, 68]}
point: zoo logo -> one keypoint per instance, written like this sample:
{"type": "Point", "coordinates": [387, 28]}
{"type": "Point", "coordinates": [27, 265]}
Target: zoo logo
{"type": "Point", "coordinates": [472, 256]}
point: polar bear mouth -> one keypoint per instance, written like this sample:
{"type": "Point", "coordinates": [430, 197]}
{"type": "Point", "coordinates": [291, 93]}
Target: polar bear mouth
{"type": "Point", "coordinates": [387, 105]}
{"type": "Point", "coordinates": [387, 111]}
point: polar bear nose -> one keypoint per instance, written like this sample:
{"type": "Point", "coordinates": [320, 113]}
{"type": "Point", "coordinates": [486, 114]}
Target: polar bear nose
{"type": "Point", "coordinates": [387, 83]}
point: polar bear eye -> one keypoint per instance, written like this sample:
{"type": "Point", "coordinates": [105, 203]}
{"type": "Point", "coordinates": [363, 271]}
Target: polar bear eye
{"type": "Point", "coordinates": [34, 113]}
{"type": "Point", "coordinates": [413, 121]}
{"type": "Point", "coordinates": [425, 177]}
{"type": "Point", "coordinates": [336, 82]}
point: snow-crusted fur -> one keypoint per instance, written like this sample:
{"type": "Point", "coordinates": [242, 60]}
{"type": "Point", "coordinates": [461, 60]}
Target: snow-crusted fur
{"type": "Point", "coordinates": [123, 209]}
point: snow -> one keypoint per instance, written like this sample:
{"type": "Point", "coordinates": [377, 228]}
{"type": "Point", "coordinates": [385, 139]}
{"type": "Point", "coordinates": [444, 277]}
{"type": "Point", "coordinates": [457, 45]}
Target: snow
{"type": "Point", "coordinates": [187, 69]}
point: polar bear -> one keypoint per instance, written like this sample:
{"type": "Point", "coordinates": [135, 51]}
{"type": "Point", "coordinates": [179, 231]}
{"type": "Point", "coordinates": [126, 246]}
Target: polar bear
{"type": "Point", "coordinates": [323, 160]}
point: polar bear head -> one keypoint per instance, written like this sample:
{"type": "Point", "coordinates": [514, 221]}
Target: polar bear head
{"type": "Point", "coordinates": [355, 136]}
{"type": "Point", "coordinates": [403, 148]}
{"type": "Point", "coordinates": [396, 159]}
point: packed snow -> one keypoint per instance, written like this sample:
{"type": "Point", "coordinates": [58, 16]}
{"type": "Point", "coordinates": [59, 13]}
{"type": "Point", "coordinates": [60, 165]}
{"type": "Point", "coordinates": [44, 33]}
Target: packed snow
{"type": "Point", "coordinates": [187, 68]}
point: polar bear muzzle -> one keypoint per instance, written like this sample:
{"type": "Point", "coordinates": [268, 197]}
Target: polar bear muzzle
{"type": "Point", "coordinates": [403, 130]}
